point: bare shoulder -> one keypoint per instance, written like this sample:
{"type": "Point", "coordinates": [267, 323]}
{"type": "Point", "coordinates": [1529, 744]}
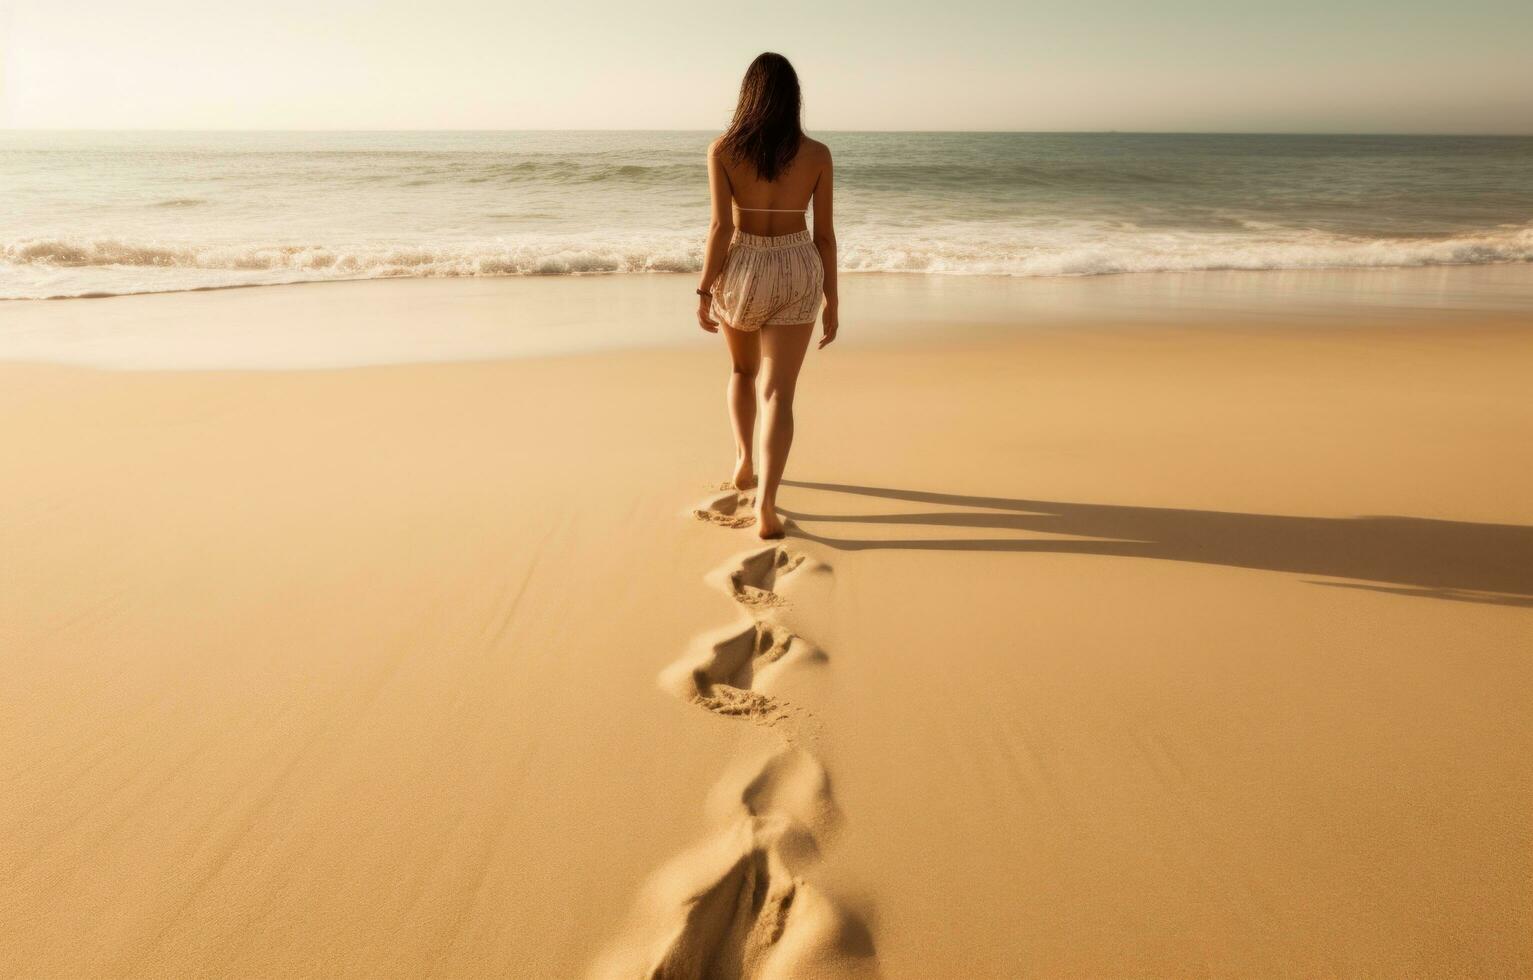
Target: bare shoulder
{"type": "Point", "coordinates": [815, 151]}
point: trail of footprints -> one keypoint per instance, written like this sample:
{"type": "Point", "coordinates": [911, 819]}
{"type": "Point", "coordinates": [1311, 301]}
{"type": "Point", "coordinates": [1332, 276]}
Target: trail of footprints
{"type": "Point", "coordinates": [737, 907]}
{"type": "Point", "coordinates": [726, 671]}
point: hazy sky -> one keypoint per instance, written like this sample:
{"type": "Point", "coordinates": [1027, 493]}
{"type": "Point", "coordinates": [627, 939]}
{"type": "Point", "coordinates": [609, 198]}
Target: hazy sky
{"type": "Point", "coordinates": [1283, 65]}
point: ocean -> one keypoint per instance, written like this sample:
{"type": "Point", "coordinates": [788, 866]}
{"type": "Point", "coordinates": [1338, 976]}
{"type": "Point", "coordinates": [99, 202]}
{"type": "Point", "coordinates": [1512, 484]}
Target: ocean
{"type": "Point", "coordinates": [103, 213]}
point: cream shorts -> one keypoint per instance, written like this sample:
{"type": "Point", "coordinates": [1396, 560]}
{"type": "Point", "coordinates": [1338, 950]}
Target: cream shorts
{"type": "Point", "coordinates": [767, 280]}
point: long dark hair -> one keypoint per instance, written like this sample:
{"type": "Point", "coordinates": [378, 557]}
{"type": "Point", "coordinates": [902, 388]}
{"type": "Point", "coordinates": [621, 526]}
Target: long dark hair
{"type": "Point", "coordinates": [765, 129]}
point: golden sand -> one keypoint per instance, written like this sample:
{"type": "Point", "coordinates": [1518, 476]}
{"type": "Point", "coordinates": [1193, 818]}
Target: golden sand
{"type": "Point", "coordinates": [1140, 651]}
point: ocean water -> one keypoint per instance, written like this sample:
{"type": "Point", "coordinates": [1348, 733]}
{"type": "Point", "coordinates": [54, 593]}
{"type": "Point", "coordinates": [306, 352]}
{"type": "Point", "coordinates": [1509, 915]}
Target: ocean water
{"type": "Point", "coordinates": [96, 213]}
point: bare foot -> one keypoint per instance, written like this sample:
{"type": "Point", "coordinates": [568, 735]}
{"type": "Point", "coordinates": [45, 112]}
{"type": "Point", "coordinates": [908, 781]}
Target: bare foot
{"type": "Point", "coordinates": [745, 477]}
{"type": "Point", "coordinates": [768, 524]}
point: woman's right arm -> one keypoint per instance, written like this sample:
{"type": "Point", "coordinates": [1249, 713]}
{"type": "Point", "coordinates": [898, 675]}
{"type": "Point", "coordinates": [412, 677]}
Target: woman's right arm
{"type": "Point", "coordinates": [720, 229]}
{"type": "Point", "coordinates": [825, 242]}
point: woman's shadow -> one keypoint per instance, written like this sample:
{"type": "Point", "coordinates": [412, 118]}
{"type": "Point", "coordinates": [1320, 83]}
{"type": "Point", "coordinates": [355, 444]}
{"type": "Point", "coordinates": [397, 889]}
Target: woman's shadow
{"type": "Point", "coordinates": [1486, 563]}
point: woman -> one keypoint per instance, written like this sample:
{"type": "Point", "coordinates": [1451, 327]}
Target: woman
{"type": "Point", "coordinates": [764, 275]}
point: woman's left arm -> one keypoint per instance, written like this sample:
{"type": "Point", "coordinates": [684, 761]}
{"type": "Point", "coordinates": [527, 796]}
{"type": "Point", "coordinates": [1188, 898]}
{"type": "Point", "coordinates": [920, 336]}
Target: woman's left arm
{"type": "Point", "coordinates": [720, 229]}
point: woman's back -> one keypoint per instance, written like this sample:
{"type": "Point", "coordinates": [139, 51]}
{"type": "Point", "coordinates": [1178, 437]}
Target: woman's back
{"type": "Point", "coordinates": [765, 274]}
{"type": "Point", "coordinates": [776, 207]}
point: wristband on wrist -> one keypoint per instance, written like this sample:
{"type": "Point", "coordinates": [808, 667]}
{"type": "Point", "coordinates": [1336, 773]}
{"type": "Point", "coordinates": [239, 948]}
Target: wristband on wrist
{"type": "Point", "coordinates": [704, 292]}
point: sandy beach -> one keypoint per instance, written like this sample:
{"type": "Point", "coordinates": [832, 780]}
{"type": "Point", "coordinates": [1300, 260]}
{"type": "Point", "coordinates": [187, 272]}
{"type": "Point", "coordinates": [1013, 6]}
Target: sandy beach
{"type": "Point", "coordinates": [1139, 626]}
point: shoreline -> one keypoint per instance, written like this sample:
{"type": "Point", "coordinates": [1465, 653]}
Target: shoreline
{"type": "Point", "coordinates": [402, 321]}
{"type": "Point", "coordinates": [849, 273]}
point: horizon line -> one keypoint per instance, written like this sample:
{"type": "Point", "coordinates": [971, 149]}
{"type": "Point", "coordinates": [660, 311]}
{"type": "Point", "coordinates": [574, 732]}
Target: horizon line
{"type": "Point", "coordinates": [591, 129]}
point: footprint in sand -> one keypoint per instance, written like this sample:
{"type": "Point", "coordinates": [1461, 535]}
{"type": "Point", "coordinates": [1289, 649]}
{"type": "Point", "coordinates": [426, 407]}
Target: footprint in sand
{"type": "Point", "coordinates": [738, 906]}
{"type": "Point", "coordinates": [728, 509]}
{"type": "Point", "coordinates": [725, 671]}
{"type": "Point", "coordinates": [752, 578]}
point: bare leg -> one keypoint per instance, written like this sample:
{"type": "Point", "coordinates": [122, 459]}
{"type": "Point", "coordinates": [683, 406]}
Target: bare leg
{"type": "Point", "coordinates": [782, 348]}
{"type": "Point", "coordinates": [745, 357]}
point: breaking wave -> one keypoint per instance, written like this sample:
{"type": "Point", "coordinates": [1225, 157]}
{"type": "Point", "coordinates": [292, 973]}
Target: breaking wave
{"type": "Point", "coordinates": [50, 267]}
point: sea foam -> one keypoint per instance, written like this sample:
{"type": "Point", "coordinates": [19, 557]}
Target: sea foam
{"type": "Point", "coordinates": [58, 267]}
